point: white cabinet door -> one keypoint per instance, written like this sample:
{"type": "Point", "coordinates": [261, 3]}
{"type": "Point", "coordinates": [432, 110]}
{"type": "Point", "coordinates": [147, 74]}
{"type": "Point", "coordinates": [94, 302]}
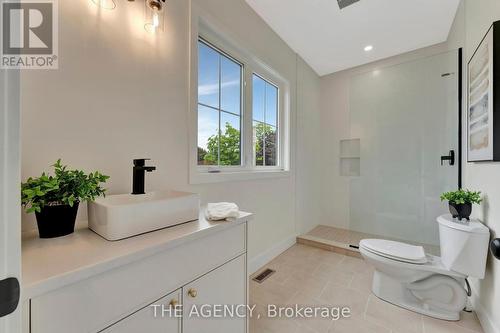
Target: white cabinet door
{"type": "Point", "coordinates": [155, 318]}
{"type": "Point", "coordinates": [223, 286]}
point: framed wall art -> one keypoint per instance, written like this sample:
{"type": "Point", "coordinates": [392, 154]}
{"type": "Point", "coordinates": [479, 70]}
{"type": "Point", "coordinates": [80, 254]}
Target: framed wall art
{"type": "Point", "coordinates": [483, 107]}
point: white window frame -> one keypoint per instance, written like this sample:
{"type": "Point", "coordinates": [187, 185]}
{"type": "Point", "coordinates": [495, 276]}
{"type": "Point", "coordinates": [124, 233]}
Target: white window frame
{"type": "Point", "coordinates": [201, 28]}
{"type": "Point", "coordinates": [208, 168]}
{"type": "Point", "coordinates": [278, 126]}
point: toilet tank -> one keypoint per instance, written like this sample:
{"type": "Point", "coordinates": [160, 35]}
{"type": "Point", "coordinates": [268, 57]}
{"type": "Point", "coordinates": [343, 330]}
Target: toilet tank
{"type": "Point", "coordinates": [464, 245]}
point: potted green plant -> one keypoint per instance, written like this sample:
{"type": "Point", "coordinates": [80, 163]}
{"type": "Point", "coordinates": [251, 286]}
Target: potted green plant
{"type": "Point", "coordinates": [460, 202]}
{"type": "Point", "coordinates": [55, 199]}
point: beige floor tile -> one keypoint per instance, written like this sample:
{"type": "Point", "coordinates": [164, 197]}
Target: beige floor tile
{"type": "Point", "coordinates": [303, 265]}
{"type": "Point", "coordinates": [393, 317]}
{"type": "Point", "coordinates": [432, 325]}
{"type": "Point", "coordinates": [335, 274]}
{"type": "Point", "coordinates": [299, 251]}
{"type": "Point", "coordinates": [344, 297]}
{"type": "Point", "coordinates": [354, 265]}
{"type": "Point", "coordinates": [362, 282]}
{"type": "Point", "coordinates": [328, 257]}
{"type": "Point", "coordinates": [274, 326]}
{"type": "Point", "coordinates": [307, 284]}
{"type": "Point", "coordinates": [336, 280]}
{"type": "Point", "coordinates": [270, 293]}
{"type": "Point", "coordinates": [355, 325]}
{"type": "Point", "coordinates": [318, 325]}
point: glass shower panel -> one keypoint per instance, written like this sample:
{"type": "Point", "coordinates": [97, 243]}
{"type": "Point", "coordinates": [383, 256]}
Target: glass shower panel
{"type": "Point", "coordinates": [406, 117]}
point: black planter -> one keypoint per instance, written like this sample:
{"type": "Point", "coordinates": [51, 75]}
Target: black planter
{"type": "Point", "coordinates": [460, 211]}
{"type": "Point", "coordinates": [56, 221]}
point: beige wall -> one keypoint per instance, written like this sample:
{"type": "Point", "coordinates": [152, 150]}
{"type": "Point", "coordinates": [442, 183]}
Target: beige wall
{"type": "Point", "coordinates": [121, 93]}
{"type": "Point", "coordinates": [479, 15]}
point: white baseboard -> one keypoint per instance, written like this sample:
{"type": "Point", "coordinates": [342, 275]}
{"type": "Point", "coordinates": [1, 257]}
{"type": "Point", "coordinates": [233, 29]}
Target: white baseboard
{"type": "Point", "coordinates": [489, 326]}
{"type": "Point", "coordinates": [260, 260]}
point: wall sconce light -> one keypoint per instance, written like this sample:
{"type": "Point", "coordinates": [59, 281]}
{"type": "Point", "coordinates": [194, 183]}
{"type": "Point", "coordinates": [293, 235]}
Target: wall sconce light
{"type": "Point", "coordinates": [153, 12]}
{"type": "Point", "coordinates": [105, 4]}
{"type": "Point", "coordinates": [154, 15]}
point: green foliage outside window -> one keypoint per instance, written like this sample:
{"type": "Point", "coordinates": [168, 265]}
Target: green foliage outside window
{"type": "Point", "coordinates": [230, 149]}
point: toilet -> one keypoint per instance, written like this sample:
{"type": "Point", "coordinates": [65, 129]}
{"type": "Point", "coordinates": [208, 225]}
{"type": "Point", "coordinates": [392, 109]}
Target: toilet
{"type": "Point", "coordinates": [434, 286]}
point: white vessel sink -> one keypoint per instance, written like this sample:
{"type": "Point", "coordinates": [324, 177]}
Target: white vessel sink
{"type": "Point", "coordinates": [121, 216]}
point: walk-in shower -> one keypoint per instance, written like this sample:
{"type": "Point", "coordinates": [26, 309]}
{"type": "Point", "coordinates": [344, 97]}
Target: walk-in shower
{"type": "Point", "coordinates": [401, 153]}
{"type": "Point", "coordinates": [406, 118]}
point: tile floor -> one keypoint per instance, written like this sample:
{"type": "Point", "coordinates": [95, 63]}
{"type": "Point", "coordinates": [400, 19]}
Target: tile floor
{"type": "Point", "coordinates": [342, 238]}
{"type": "Point", "coordinates": [310, 276]}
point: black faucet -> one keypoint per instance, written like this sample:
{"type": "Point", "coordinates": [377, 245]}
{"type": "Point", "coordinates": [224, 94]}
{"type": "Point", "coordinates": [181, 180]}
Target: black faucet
{"type": "Point", "coordinates": [139, 171]}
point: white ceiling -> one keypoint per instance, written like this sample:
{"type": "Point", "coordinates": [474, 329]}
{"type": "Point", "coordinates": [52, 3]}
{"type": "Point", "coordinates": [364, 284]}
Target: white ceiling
{"type": "Point", "coordinates": [330, 39]}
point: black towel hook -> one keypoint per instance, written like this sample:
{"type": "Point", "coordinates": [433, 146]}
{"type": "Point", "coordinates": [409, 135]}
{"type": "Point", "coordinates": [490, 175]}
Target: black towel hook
{"type": "Point", "coordinates": [495, 248]}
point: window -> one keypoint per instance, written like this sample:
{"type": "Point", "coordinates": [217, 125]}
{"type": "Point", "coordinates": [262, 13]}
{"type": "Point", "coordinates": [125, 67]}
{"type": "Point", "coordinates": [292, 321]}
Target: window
{"type": "Point", "coordinates": [265, 122]}
{"type": "Point", "coordinates": [219, 108]}
{"type": "Point", "coordinates": [240, 106]}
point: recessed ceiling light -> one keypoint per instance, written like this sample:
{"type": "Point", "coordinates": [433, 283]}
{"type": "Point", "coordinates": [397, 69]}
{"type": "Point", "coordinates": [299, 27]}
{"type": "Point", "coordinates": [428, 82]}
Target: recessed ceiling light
{"type": "Point", "coordinates": [368, 48]}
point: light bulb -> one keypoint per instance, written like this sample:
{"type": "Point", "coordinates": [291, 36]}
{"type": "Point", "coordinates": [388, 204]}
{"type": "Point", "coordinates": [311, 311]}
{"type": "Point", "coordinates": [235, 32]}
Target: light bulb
{"type": "Point", "coordinates": [105, 4]}
{"type": "Point", "coordinates": [154, 15]}
{"type": "Point", "coordinates": [156, 20]}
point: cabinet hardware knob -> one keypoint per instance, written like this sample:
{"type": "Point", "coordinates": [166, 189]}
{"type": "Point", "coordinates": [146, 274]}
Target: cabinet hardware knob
{"type": "Point", "coordinates": [192, 293]}
{"type": "Point", "coordinates": [174, 303]}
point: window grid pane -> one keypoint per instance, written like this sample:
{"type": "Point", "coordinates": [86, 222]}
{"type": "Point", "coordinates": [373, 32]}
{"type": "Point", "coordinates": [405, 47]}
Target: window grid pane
{"type": "Point", "coordinates": [265, 120]}
{"type": "Point", "coordinates": [208, 135]}
{"type": "Point", "coordinates": [221, 99]}
{"type": "Point", "coordinates": [208, 76]}
{"type": "Point", "coordinates": [230, 143]}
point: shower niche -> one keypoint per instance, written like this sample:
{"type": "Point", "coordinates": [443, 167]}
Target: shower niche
{"type": "Point", "coordinates": [350, 157]}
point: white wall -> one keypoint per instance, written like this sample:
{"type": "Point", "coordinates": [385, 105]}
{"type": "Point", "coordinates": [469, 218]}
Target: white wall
{"type": "Point", "coordinates": [121, 93]}
{"type": "Point", "coordinates": [479, 15]}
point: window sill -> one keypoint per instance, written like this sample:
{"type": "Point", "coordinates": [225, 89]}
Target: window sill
{"type": "Point", "coordinates": [199, 177]}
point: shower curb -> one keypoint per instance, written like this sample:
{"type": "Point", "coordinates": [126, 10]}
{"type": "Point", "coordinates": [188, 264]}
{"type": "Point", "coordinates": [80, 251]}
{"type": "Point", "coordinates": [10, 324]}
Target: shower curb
{"type": "Point", "coordinates": [329, 245]}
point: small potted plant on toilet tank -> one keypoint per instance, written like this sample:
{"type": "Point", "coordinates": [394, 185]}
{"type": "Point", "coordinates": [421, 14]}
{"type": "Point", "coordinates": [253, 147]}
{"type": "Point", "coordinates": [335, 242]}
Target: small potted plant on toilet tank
{"type": "Point", "coordinates": [460, 202]}
{"type": "Point", "coordinates": [55, 199]}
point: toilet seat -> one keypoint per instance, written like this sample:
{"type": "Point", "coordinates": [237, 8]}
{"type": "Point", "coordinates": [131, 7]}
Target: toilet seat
{"type": "Point", "coordinates": [395, 250]}
{"type": "Point", "coordinates": [432, 266]}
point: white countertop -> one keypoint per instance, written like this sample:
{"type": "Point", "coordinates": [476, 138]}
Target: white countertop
{"type": "Point", "coordinates": [49, 264]}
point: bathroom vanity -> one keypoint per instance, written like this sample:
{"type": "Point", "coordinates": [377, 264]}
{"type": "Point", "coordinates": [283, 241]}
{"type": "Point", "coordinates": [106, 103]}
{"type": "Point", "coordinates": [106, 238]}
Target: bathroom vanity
{"type": "Point", "coordinates": [83, 283]}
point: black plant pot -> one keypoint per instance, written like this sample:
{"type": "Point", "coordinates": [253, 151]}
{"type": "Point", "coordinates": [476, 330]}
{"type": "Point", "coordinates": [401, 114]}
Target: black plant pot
{"type": "Point", "coordinates": [460, 211]}
{"type": "Point", "coordinates": [57, 220]}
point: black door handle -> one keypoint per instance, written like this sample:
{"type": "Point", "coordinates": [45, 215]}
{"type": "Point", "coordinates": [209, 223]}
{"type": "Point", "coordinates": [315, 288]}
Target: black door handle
{"type": "Point", "coordinates": [450, 157]}
{"type": "Point", "coordinates": [9, 296]}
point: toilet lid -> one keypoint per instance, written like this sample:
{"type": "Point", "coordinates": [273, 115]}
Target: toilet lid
{"type": "Point", "coordinates": [395, 250]}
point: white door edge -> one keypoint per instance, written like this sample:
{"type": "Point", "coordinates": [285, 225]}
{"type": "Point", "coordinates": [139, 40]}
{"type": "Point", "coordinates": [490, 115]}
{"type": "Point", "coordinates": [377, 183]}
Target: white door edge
{"type": "Point", "coordinates": [10, 171]}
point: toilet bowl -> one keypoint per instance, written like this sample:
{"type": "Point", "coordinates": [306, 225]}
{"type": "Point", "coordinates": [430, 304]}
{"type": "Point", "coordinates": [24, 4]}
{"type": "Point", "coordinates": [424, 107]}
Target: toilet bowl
{"type": "Point", "coordinates": [434, 286]}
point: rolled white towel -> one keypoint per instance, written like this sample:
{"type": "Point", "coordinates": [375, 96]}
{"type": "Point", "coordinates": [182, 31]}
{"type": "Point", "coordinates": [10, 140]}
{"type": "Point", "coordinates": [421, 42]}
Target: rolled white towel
{"type": "Point", "coordinates": [221, 211]}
